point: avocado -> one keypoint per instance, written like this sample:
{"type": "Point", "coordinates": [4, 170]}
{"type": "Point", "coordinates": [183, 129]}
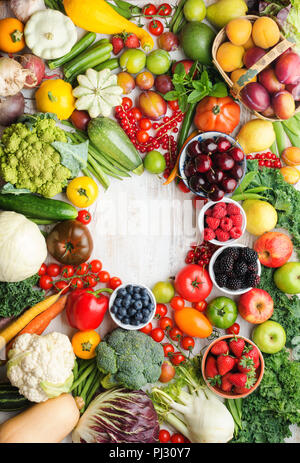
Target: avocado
{"type": "Point", "coordinates": [196, 40]}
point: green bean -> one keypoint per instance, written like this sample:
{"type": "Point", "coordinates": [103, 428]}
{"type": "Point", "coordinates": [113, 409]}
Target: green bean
{"type": "Point", "coordinates": [257, 189]}
{"type": "Point", "coordinates": [177, 13]}
{"type": "Point", "coordinates": [274, 149]}
{"type": "Point", "coordinates": [244, 196]}
{"type": "Point", "coordinates": [295, 140]}
{"type": "Point", "coordinates": [81, 378]}
{"type": "Point", "coordinates": [246, 181]}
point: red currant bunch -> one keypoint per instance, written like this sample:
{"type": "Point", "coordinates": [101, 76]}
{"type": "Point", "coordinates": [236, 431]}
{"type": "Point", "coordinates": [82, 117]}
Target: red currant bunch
{"type": "Point", "coordinates": [266, 160]}
{"type": "Point", "coordinates": [200, 254]}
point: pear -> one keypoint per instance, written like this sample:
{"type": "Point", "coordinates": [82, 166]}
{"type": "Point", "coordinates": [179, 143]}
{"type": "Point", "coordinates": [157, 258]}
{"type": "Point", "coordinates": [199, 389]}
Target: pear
{"type": "Point", "coordinates": [223, 11]}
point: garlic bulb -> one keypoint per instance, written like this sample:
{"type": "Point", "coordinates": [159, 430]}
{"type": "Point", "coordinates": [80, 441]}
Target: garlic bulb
{"type": "Point", "coordinates": [23, 9]}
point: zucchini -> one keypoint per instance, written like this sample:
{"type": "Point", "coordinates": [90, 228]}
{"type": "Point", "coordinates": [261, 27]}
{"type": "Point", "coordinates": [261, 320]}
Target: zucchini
{"type": "Point", "coordinates": [10, 399]}
{"type": "Point", "coordinates": [111, 140]}
{"type": "Point", "coordinates": [37, 207]}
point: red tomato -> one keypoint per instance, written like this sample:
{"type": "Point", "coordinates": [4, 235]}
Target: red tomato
{"type": "Point", "coordinates": [77, 283]}
{"type": "Point", "coordinates": [187, 343]}
{"type": "Point", "coordinates": [177, 358]}
{"type": "Point", "coordinates": [90, 280]}
{"type": "Point", "coordinates": [95, 265]}
{"type": "Point", "coordinates": [136, 113]}
{"type": "Point", "coordinates": [166, 323]}
{"type": "Point", "coordinates": [164, 9]}
{"type": "Point", "coordinates": [177, 303]}
{"type": "Point", "coordinates": [82, 269]}
{"type": "Point", "coordinates": [104, 276]}
{"type": "Point", "coordinates": [233, 329]}
{"type": "Point", "coordinates": [161, 310]}
{"type": "Point", "coordinates": [201, 306]}
{"type": "Point", "coordinates": [126, 103]}
{"type": "Point", "coordinates": [145, 124]}
{"type": "Point", "coordinates": [167, 372]}
{"type": "Point", "coordinates": [46, 282]}
{"type": "Point", "coordinates": [149, 10]}
{"type": "Point", "coordinates": [62, 285]}
{"type": "Point", "coordinates": [175, 334]}
{"type": "Point", "coordinates": [142, 136]}
{"type": "Point", "coordinates": [157, 334]}
{"type": "Point", "coordinates": [84, 217]}
{"type": "Point", "coordinates": [181, 185]}
{"type": "Point", "coordinates": [67, 271]}
{"type": "Point", "coordinates": [155, 27]}
{"type": "Point", "coordinates": [164, 436]}
{"type": "Point", "coordinates": [114, 282]}
{"type": "Point", "coordinates": [43, 270]}
{"type": "Point", "coordinates": [147, 329]}
{"type": "Point", "coordinates": [173, 105]}
{"type": "Point", "coordinates": [168, 349]}
{"type": "Point", "coordinates": [193, 283]}
{"type": "Point", "coordinates": [53, 270]}
{"type": "Point", "coordinates": [177, 439]}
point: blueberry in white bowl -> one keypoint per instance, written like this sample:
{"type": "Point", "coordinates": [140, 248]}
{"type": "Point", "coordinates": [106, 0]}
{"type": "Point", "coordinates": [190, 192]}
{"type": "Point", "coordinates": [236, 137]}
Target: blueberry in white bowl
{"type": "Point", "coordinates": [132, 306]}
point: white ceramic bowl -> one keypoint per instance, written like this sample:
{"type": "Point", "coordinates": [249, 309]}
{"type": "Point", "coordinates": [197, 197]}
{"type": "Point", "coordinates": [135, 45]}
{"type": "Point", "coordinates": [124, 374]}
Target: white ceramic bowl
{"type": "Point", "coordinates": [212, 273]}
{"type": "Point", "coordinates": [205, 136]}
{"type": "Point", "coordinates": [118, 322]}
{"type": "Point", "coordinates": [201, 218]}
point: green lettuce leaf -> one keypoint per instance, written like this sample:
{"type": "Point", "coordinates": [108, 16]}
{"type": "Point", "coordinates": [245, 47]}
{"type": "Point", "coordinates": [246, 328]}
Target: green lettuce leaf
{"type": "Point", "coordinates": [74, 157]}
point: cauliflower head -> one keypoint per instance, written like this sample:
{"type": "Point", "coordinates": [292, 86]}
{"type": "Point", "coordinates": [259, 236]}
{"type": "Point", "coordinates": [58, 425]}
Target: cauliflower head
{"type": "Point", "coordinates": [27, 159]}
{"type": "Point", "coordinates": [41, 366]}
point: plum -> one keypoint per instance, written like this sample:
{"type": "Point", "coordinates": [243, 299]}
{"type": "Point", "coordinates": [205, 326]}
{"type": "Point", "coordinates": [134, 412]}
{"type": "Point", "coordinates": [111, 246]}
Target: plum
{"type": "Point", "coordinates": [287, 68]}
{"type": "Point", "coordinates": [255, 96]}
{"type": "Point", "coordinates": [163, 83]}
{"type": "Point", "coordinates": [152, 105]}
{"type": "Point", "coordinates": [252, 56]}
{"type": "Point", "coordinates": [268, 79]}
{"type": "Point", "coordinates": [283, 104]}
{"type": "Point", "coordinates": [294, 89]}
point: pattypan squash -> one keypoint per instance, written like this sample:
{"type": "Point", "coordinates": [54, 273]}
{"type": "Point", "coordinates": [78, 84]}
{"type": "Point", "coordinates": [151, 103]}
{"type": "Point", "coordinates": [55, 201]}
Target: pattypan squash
{"type": "Point", "coordinates": [97, 92]}
{"type": "Point", "coordinates": [55, 96]}
{"type": "Point", "coordinates": [50, 34]}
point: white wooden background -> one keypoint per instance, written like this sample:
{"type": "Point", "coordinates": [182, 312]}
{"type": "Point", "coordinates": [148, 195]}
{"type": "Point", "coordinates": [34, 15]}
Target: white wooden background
{"type": "Point", "coordinates": [131, 253]}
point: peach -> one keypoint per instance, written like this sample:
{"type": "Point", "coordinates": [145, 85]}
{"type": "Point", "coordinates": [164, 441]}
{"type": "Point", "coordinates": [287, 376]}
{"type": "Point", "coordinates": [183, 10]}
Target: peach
{"type": "Point", "coordinates": [291, 156]}
{"type": "Point", "coordinates": [274, 249]}
{"type": "Point", "coordinates": [287, 68]}
{"type": "Point", "coordinates": [152, 105]}
{"type": "Point", "coordinates": [126, 82]}
{"type": "Point", "coordinates": [230, 57]}
{"type": "Point", "coordinates": [239, 31]}
{"type": "Point", "coordinates": [290, 174]}
{"type": "Point", "coordinates": [265, 32]}
{"type": "Point", "coordinates": [283, 104]}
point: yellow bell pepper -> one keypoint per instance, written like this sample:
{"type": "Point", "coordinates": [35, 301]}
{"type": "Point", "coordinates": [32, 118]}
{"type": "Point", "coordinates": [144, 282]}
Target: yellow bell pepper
{"type": "Point", "coordinates": [98, 16]}
{"type": "Point", "coordinates": [55, 96]}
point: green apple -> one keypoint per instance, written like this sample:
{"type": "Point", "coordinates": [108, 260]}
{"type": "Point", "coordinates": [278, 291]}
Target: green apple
{"type": "Point", "coordinates": [287, 278]}
{"type": "Point", "coordinates": [269, 337]}
{"type": "Point", "coordinates": [163, 292]}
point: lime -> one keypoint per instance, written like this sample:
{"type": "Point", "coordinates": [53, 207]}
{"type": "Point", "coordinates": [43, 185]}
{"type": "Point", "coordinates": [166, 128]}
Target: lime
{"type": "Point", "coordinates": [163, 292]}
{"type": "Point", "coordinates": [158, 62]}
{"type": "Point", "coordinates": [154, 162]}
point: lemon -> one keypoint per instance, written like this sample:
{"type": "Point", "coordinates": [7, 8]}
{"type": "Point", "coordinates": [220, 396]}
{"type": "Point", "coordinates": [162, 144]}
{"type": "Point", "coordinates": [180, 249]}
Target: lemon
{"type": "Point", "coordinates": [256, 135]}
{"type": "Point", "coordinates": [261, 216]}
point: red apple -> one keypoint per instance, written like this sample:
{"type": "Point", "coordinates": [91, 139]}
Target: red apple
{"type": "Point", "coordinates": [274, 249]}
{"type": "Point", "coordinates": [256, 306]}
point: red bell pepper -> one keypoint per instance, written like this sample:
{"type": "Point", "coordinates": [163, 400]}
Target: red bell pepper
{"type": "Point", "coordinates": [86, 308]}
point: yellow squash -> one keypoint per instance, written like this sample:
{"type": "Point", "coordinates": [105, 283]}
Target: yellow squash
{"type": "Point", "coordinates": [55, 96]}
{"type": "Point", "coordinates": [98, 16]}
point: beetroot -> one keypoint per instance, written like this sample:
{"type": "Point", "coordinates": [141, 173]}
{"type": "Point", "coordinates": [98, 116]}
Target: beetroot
{"type": "Point", "coordinates": [37, 66]}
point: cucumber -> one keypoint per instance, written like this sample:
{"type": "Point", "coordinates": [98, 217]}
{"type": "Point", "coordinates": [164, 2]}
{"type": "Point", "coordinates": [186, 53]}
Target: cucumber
{"type": "Point", "coordinates": [37, 207]}
{"type": "Point", "coordinates": [10, 399]}
{"type": "Point", "coordinates": [108, 137]}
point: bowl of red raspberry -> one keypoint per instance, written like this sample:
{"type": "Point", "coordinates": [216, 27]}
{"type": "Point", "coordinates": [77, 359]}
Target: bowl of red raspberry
{"type": "Point", "coordinates": [235, 269]}
{"type": "Point", "coordinates": [222, 223]}
{"type": "Point", "coordinates": [232, 366]}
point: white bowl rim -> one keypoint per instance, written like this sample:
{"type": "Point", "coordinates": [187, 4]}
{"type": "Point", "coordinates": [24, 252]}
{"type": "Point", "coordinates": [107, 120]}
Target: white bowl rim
{"type": "Point", "coordinates": [212, 273]}
{"type": "Point", "coordinates": [213, 203]}
{"type": "Point", "coordinates": [120, 324]}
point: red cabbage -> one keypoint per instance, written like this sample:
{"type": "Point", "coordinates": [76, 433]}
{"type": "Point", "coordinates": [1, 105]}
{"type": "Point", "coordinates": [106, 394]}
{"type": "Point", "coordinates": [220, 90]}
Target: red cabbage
{"type": "Point", "coordinates": [118, 416]}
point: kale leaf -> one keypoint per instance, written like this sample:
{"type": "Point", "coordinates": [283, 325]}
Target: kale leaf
{"type": "Point", "coordinates": [16, 297]}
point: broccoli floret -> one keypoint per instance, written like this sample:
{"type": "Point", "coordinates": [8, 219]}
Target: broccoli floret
{"type": "Point", "coordinates": [29, 161]}
{"type": "Point", "coordinates": [129, 358]}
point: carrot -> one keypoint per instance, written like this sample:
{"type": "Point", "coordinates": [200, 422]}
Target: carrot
{"type": "Point", "coordinates": [40, 323]}
{"type": "Point", "coordinates": [16, 326]}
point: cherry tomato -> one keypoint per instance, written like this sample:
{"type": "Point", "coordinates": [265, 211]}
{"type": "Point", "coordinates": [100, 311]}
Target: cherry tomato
{"type": "Point", "coordinates": [168, 349]}
{"type": "Point", "coordinates": [233, 329]}
{"type": "Point", "coordinates": [177, 358]}
{"type": "Point", "coordinates": [46, 282]}
{"type": "Point", "coordinates": [82, 269]}
{"type": "Point", "coordinates": [147, 329]}
{"type": "Point", "coordinates": [164, 9]}
{"type": "Point", "coordinates": [167, 372]}
{"type": "Point", "coordinates": [157, 334]}
{"type": "Point", "coordinates": [187, 343]}
{"type": "Point", "coordinates": [136, 113]}
{"type": "Point", "coordinates": [104, 276]}
{"type": "Point", "coordinates": [90, 280]}
{"type": "Point", "coordinates": [173, 105]}
{"type": "Point", "coordinates": [43, 270]}
{"type": "Point", "coordinates": [142, 136]}
{"type": "Point", "coordinates": [182, 186]}
{"type": "Point", "coordinates": [95, 265]}
{"type": "Point", "coordinates": [161, 310]}
{"type": "Point", "coordinates": [77, 283]}
{"type": "Point", "coordinates": [149, 10]}
{"type": "Point", "coordinates": [177, 438]}
{"type": "Point", "coordinates": [155, 27]}
{"type": "Point", "coordinates": [177, 303]}
{"type": "Point", "coordinates": [62, 285]}
{"type": "Point", "coordinates": [166, 323]}
{"type": "Point", "coordinates": [164, 436]}
{"type": "Point", "coordinates": [84, 217]}
{"type": "Point", "coordinates": [114, 282]}
{"type": "Point", "coordinates": [201, 306]}
{"type": "Point", "coordinates": [175, 334]}
{"type": "Point", "coordinates": [53, 270]}
{"type": "Point", "coordinates": [67, 271]}
{"type": "Point", "coordinates": [145, 124]}
{"type": "Point", "coordinates": [126, 102]}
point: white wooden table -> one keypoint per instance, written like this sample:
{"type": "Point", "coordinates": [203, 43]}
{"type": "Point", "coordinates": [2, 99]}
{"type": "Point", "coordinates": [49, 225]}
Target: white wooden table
{"type": "Point", "coordinates": [140, 232]}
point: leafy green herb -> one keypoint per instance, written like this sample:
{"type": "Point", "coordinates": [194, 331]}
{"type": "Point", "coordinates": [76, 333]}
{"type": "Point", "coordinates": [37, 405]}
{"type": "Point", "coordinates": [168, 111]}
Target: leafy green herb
{"type": "Point", "coordinates": [16, 297]}
{"type": "Point", "coordinates": [74, 157]}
